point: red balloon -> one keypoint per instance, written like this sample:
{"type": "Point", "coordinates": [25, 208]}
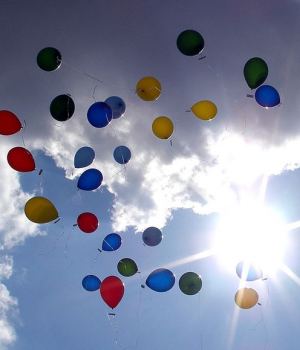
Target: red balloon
{"type": "Point", "coordinates": [20, 159]}
{"type": "Point", "coordinates": [9, 123]}
{"type": "Point", "coordinates": [87, 222]}
{"type": "Point", "coordinates": [112, 290]}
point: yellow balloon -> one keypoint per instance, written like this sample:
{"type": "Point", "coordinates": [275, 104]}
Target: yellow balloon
{"type": "Point", "coordinates": [246, 298]}
{"type": "Point", "coordinates": [162, 127]}
{"type": "Point", "coordinates": [148, 89]}
{"type": "Point", "coordinates": [40, 210]}
{"type": "Point", "coordinates": [205, 110]}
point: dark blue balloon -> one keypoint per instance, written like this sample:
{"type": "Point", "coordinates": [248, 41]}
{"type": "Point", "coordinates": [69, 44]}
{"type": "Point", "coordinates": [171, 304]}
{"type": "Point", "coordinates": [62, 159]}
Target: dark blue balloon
{"type": "Point", "coordinates": [111, 242]}
{"type": "Point", "coordinates": [84, 157]}
{"type": "Point", "coordinates": [117, 105]}
{"type": "Point", "coordinates": [248, 271]}
{"type": "Point", "coordinates": [99, 114]}
{"type": "Point", "coordinates": [161, 280]}
{"type": "Point", "coordinates": [90, 180]}
{"type": "Point", "coordinates": [91, 283]}
{"type": "Point", "coordinates": [152, 236]}
{"type": "Point", "coordinates": [267, 96]}
{"type": "Point", "coordinates": [122, 154]}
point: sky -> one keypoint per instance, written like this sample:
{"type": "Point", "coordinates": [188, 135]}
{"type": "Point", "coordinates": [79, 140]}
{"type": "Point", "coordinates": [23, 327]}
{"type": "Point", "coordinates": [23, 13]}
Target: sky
{"type": "Point", "coordinates": [247, 154]}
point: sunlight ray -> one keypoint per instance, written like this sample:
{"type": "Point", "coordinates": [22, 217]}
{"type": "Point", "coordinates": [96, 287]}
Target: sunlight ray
{"type": "Point", "coordinates": [293, 225]}
{"type": "Point", "coordinates": [199, 256]}
{"type": "Point", "coordinates": [293, 276]}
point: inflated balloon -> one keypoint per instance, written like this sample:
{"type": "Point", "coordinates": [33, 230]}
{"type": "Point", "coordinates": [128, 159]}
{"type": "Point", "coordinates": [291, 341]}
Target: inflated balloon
{"type": "Point", "coordinates": [255, 72]}
{"type": "Point", "coordinates": [127, 267]}
{"type": "Point", "coordinates": [91, 283]}
{"type": "Point", "coordinates": [87, 222]}
{"type": "Point", "coordinates": [205, 110]}
{"type": "Point", "coordinates": [90, 180]}
{"type": "Point", "coordinates": [117, 106]}
{"type": "Point", "coordinates": [20, 159]}
{"type": "Point", "coordinates": [9, 123]}
{"type": "Point", "coordinates": [99, 114]}
{"type": "Point", "coordinates": [248, 271]}
{"type": "Point", "coordinates": [162, 127]}
{"type": "Point", "coordinates": [49, 59]}
{"type": "Point", "coordinates": [40, 210]}
{"type": "Point", "coordinates": [246, 298]}
{"type": "Point", "coordinates": [152, 236]}
{"type": "Point", "coordinates": [161, 280]}
{"type": "Point", "coordinates": [111, 242]}
{"type": "Point", "coordinates": [62, 108]}
{"type": "Point", "coordinates": [190, 42]}
{"type": "Point", "coordinates": [84, 157]}
{"type": "Point", "coordinates": [112, 291]}
{"type": "Point", "coordinates": [267, 96]}
{"type": "Point", "coordinates": [190, 283]}
{"type": "Point", "coordinates": [122, 154]}
{"type": "Point", "coordinates": [148, 89]}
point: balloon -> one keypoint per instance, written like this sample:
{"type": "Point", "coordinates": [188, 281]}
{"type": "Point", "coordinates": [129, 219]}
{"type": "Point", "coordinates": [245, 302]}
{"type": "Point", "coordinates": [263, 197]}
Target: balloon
{"type": "Point", "coordinates": [112, 291]}
{"type": "Point", "coordinates": [148, 89]}
{"type": "Point", "coordinates": [90, 180]}
{"type": "Point", "coordinates": [87, 222]}
{"type": "Point", "coordinates": [160, 280]}
{"type": "Point", "coordinates": [84, 157]}
{"type": "Point", "coordinates": [9, 123]}
{"type": "Point", "coordinates": [91, 283]}
{"type": "Point", "coordinates": [40, 210]}
{"type": "Point", "coordinates": [49, 59]}
{"type": "Point", "coordinates": [190, 42]}
{"type": "Point", "coordinates": [246, 298]}
{"type": "Point", "coordinates": [117, 106]}
{"type": "Point", "coordinates": [152, 236]}
{"type": "Point", "coordinates": [111, 242]}
{"type": "Point", "coordinates": [255, 72]}
{"type": "Point", "coordinates": [62, 108]}
{"type": "Point", "coordinates": [162, 127]}
{"type": "Point", "coordinates": [122, 154]}
{"type": "Point", "coordinates": [267, 96]}
{"type": "Point", "coordinates": [20, 159]}
{"type": "Point", "coordinates": [190, 283]}
{"type": "Point", "coordinates": [248, 272]}
{"type": "Point", "coordinates": [99, 114]}
{"type": "Point", "coordinates": [127, 267]}
{"type": "Point", "coordinates": [205, 110]}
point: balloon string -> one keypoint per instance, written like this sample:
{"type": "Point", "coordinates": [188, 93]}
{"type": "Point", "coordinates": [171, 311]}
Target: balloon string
{"type": "Point", "coordinates": [82, 72]}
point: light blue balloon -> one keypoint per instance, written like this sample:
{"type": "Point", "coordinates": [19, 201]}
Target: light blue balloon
{"type": "Point", "coordinates": [248, 271]}
{"type": "Point", "coordinates": [84, 157]}
{"type": "Point", "coordinates": [161, 280]}
{"type": "Point", "coordinates": [117, 106]}
{"type": "Point", "coordinates": [122, 154]}
{"type": "Point", "coordinates": [152, 236]}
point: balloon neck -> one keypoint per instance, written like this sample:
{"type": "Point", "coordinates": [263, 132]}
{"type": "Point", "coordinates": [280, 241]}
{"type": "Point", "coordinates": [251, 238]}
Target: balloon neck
{"type": "Point", "coordinates": [74, 225]}
{"type": "Point", "coordinates": [56, 220]}
{"type": "Point", "coordinates": [40, 172]}
{"type": "Point", "coordinates": [99, 250]}
{"type": "Point", "coordinates": [250, 95]}
{"type": "Point", "coordinates": [142, 285]}
{"type": "Point", "coordinates": [201, 58]}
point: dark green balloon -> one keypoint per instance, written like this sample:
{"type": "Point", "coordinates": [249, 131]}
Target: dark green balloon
{"type": "Point", "coordinates": [190, 283]}
{"type": "Point", "coordinates": [190, 42]}
{"type": "Point", "coordinates": [127, 267]}
{"type": "Point", "coordinates": [255, 72]}
{"type": "Point", "coordinates": [62, 108]}
{"type": "Point", "coordinates": [49, 59]}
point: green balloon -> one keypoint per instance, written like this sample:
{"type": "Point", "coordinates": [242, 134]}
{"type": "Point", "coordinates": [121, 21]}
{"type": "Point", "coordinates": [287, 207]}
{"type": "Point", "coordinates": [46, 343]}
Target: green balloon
{"type": "Point", "coordinates": [127, 267]}
{"type": "Point", "coordinates": [49, 59]}
{"type": "Point", "coordinates": [190, 42]}
{"type": "Point", "coordinates": [190, 283]}
{"type": "Point", "coordinates": [62, 108]}
{"type": "Point", "coordinates": [255, 72]}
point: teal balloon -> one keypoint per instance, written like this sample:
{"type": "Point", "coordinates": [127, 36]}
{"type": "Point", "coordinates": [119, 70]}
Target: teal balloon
{"type": "Point", "coordinates": [117, 106]}
{"type": "Point", "coordinates": [84, 157]}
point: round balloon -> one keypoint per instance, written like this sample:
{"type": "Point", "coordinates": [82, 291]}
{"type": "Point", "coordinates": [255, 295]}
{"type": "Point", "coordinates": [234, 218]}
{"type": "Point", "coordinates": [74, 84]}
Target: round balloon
{"type": "Point", "coordinates": [91, 283]}
{"type": "Point", "coordinates": [40, 210]}
{"type": "Point", "coordinates": [248, 271]}
{"type": "Point", "coordinates": [161, 280]}
{"type": "Point", "coordinates": [87, 222]}
{"type": "Point", "coordinates": [122, 154]}
{"type": "Point", "coordinates": [148, 89]}
{"type": "Point", "coordinates": [117, 106]}
{"type": "Point", "coordinates": [84, 157]}
{"type": "Point", "coordinates": [190, 283]}
{"type": "Point", "coordinates": [255, 72]}
{"type": "Point", "coordinates": [190, 42]}
{"type": "Point", "coordinates": [246, 298]}
{"type": "Point", "coordinates": [205, 110]}
{"type": "Point", "coordinates": [62, 108]}
{"type": "Point", "coordinates": [49, 59]}
{"type": "Point", "coordinates": [267, 96]}
{"type": "Point", "coordinates": [152, 236]}
{"type": "Point", "coordinates": [162, 127]}
{"type": "Point", "coordinates": [20, 159]}
{"type": "Point", "coordinates": [9, 123]}
{"type": "Point", "coordinates": [112, 291]}
{"type": "Point", "coordinates": [90, 180]}
{"type": "Point", "coordinates": [99, 114]}
{"type": "Point", "coordinates": [127, 267]}
{"type": "Point", "coordinates": [111, 242]}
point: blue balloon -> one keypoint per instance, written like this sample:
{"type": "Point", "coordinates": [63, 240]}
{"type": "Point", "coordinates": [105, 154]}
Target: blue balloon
{"type": "Point", "coordinates": [91, 283]}
{"type": "Point", "coordinates": [267, 96]}
{"type": "Point", "coordinates": [99, 114]}
{"type": "Point", "coordinates": [117, 105]}
{"type": "Point", "coordinates": [152, 236]}
{"type": "Point", "coordinates": [111, 242]}
{"type": "Point", "coordinates": [161, 280]}
{"type": "Point", "coordinates": [90, 180]}
{"type": "Point", "coordinates": [122, 154]}
{"type": "Point", "coordinates": [247, 271]}
{"type": "Point", "coordinates": [84, 157]}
